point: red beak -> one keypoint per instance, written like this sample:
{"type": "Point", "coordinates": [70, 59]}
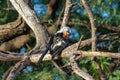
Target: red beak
{"type": "Point", "coordinates": [66, 35]}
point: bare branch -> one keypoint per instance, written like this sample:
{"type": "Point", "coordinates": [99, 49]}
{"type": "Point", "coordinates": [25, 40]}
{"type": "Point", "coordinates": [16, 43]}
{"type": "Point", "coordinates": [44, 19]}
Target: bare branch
{"type": "Point", "coordinates": [12, 29]}
{"type": "Point", "coordinates": [33, 22]}
{"type": "Point", "coordinates": [7, 73]}
{"type": "Point", "coordinates": [92, 21]}
{"type": "Point", "coordinates": [40, 32]}
{"type": "Point", "coordinates": [56, 65]}
{"type": "Point", "coordinates": [93, 34]}
{"type": "Point", "coordinates": [78, 71]}
{"type": "Point", "coordinates": [66, 53]}
{"type": "Point", "coordinates": [18, 68]}
{"type": "Point", "coordinates": [66, 13]}
{"type": "Point", "coordinates": [108, 27]}
{"type": "Point", "coordinates": [5, 56]}
{"type": "Point", "coordinates": [15, 43]}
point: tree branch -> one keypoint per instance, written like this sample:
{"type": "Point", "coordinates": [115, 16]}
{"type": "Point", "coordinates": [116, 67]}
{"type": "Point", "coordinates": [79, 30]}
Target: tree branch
{"type": "Point", "coordinates": [15, 43]}
{"type": "Point", "coordinates": [40, 33]}
{"type": "Point", "coordinates": [33, 22]}
{"type": "Point", "coordinates": [5, 56]}
{"type": "Point", "coordinates": [92, 21]}
{"type": "Point", "coordinates": [12, 29]}
{"type": "Point", "coordinates": [66, 13]}
{"type": "Point", "coordinates": [78, 71]}
{"type": "Point", "coordinates": [93, 34]}
{"type": "Point", "coordinates": [18, 68]}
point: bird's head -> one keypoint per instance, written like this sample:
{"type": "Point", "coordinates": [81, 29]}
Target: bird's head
{"type": "Point", "coordinates": [64, 32]}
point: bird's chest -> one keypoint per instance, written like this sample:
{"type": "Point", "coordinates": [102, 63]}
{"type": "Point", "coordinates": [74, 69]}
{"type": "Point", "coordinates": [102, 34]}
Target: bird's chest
{"type": "Point", "coordinates": [59, 42]}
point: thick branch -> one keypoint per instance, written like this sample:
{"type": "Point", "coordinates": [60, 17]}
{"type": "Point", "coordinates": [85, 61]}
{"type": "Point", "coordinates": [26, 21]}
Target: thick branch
{"type": "Point", "coordinates": [40, 33]}
{"type": "Point", "coordinates": [12, 29]}
{"type": "Point", "coordinates": [66, 53]}
{"type": "Point", "coordinates": [33, 22]}
{"type": "Point", "coordinates": [15, 43]}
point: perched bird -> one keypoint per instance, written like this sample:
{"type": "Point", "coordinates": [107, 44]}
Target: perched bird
{"type": "Point", "coordinates": [60, 41]}
{"type": "Point", "coordinates": [57, 42]}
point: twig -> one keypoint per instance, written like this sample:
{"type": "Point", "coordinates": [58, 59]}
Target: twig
{"type": "Point", "coordinates": [7, 9]}
{"type": "Point", "coordinates": [80, 42]}
{"type": "Point", "coordinates": [55, 64]}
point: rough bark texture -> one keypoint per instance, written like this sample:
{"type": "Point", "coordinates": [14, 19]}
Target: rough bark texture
{"type": "Point", "coordinates": [33, 22]}
{"type": "Point", "coordinates": [12, 29]}
{"type": "Point", "coordinates": [6, 56]}
{"type": "Point", "coordinates": [40, 33]}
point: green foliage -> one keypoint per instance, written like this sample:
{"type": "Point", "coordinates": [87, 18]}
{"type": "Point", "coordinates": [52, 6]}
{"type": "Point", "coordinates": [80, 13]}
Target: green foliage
{"type": "Point", "coordinates": [75, 77]}
{"type": "Point", "coordinates": [44, 1]}
{"type": "Point", "coordinates": [50, 22]}
{"type": "Point", "coordinates": [4, 67]}
{"type": "Point", "coordinates": [108, 6]}
{"type": "Point", "coordinates": [88, 65]}
{"type": "Point", "coordinates": [45, 72]}
{"type": "Point", "coordinates": [105, 12]}
{"type": "Point", "coordinates": [6, 15]}
{"type": "Point", "coordinates": [115, 75]}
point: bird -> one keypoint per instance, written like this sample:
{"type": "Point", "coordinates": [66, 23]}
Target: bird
{"type": "Point", "coordinates": [60, 41]}
{"type": "Point", "coordinates": [57, 43]}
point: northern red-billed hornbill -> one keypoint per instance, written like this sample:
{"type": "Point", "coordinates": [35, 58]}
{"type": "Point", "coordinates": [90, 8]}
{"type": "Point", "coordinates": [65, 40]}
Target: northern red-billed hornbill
{"type": "Point", "coordinates": [58, 42]}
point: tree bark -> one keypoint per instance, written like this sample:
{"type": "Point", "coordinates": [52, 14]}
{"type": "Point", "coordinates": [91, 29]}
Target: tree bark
{"type": "Point", "coordinates": [31, 19]}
